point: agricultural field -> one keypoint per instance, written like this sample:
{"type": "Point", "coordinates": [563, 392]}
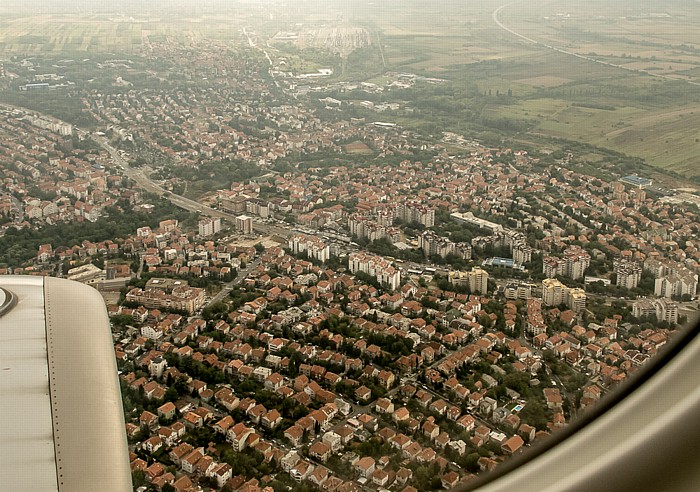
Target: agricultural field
{"type": "Point", "coordinates": [622, 75]}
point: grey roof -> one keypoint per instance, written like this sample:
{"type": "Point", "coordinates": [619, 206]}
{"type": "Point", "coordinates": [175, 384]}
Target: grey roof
{"type": "Point", "coordinates": [62, 427]}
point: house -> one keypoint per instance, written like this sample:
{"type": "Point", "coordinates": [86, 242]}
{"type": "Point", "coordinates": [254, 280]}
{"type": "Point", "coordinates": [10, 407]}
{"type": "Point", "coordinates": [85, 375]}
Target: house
{"type": "Point", "coordinates": [289, 460]}
{"type": "Point", "coordinates": [188, 462]}
{"type": "Point", "coordinates": [177, 454]}
{"type": "Point", "coordinates": [168, 435]}
{"type": "Point", "coordinates": [301, 470]}
{"type": "Point", "coordinates": [438, 406]}
{"type": "Point", "coordinates": [553, 398]}
{"type": "Point", "coordinates": [320, 450]}
{"type": "Point", "coordinates": [365, 466]}
{"type": "Point", "coordinates": [319, 475]}
{"type": "Point", "coordinates": [401, 414]}
{"type": "Point", "coordinates": [369, 422]}
{"type": "Point", "coordinates": [167, 410]}
{"type": "Point", "coordinates": [346, 433]}
{"type": "Point", "coordinates": [221, 474]}
{"type": "Point", "coordinates": [333, 440]}
{"type": "Point", "coordinates": [152, 444]}
{"type": "Point", "coordinates": [154, 471]}
{"type": "Point", "coordinates": [183, 484]}
{"type": "Point", "coordinates": [274, 382]}
{"type": "Point", "coordinates": [226, 398]}
{"type": "Point", "coordinates": [237, 435]}
{"type": "Point", "coordinates": [427, 455]}
{"type": "Point", "coordinates": [193, 420]}
{"type": "Point", "coordinates": [271, 419]}
{"type": "Point", "coordinates": [363, 393]}
{"type": "Point", "coordinates": [294, 435]}
{"type": "Point", "coordinates": [450, 480]}
{"type": "Point", "coordinates": [527, 432]}
{"type": "Point", "coordinates": [148, 420]}
{"type": "Point", "coordinates": [403, 476]}
{"type": "Point", "coordinates": [386, 379]}
{"type": "Point", "coordinates": [223, 425]}
{"type": "Point", "coordinates": [384, 405]}
{"type": "Point", "coordinates": [430, 429]}
{"type": "Point", "coordinates": [256, 412]}
{"type": "Point", "coordinates": [513, 444]}
{"type": "Point", "coordinates": [459, 447]}
{"type": "Point", "coordinates": [466, 422]}
{"type": "Point", "coordinates": [381, 478]}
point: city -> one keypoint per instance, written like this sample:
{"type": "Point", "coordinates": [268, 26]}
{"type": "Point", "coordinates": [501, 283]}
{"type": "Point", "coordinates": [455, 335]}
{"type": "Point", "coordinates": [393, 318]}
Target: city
{"type": "Point", "coordinates": [308, 292]}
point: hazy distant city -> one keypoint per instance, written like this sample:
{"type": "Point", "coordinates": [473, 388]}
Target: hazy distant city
{"type": "Point", "coordinates": [356, 246]}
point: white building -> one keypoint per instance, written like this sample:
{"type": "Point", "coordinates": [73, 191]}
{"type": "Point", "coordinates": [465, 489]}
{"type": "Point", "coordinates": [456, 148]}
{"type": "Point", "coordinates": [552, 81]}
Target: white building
{"type": "Point", "coordinates": [313, 246]}
{"type": "Point", "coordinates": [209, 226]}
{"type": "Point", "coordinates": [417, 212]}
{"type": "Point", "coordinates": [375, 266]}
{"type": "Point", "coordinates": [477, 279]}
{"type": "Point", "coordinates": [676, 284]}
{"type": "Point", "coordinates": [629, 274]}
{"type": "Point", "coordinates": [572, 265]}
{"type": "Point", "coordinates": [244, 224]}
{"type": "Point", "coordinates": [663, 309]}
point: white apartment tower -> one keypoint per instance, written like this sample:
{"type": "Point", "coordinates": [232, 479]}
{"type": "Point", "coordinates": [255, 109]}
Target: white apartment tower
{"type": "Point", "coordinates": [244, 224]}
{"type": "Point", "coordinates": [209, 226]}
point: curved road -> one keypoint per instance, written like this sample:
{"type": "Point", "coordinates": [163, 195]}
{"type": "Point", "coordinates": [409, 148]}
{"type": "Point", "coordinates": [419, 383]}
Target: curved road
{"type": "Point", "coordinates": [494, 16]}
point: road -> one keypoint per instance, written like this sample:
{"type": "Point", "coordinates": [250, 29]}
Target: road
{"type": "Point", "coordinates": [252, 44]}
{"type": "Point", "coordinates": [240, 276]}
{"type": "Point", "coordinates": [20, 208]}
{"type": "Point", "coordinates": [146, 183]}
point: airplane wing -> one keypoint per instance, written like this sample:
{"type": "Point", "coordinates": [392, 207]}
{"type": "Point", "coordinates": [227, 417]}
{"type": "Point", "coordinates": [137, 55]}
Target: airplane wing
{"type": "Point", "coordinates": [62, 425]}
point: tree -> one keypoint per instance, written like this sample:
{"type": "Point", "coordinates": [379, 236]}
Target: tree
{"type": "Point", "coordinates": [138, 478]}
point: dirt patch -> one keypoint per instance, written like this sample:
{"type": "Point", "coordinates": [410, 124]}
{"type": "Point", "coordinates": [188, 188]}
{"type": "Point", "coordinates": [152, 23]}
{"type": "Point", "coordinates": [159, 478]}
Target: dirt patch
{"type": "Point", "coordinates": [357, 147]}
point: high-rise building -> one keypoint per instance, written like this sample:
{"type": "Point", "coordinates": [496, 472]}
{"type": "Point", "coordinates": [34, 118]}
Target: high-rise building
{"type": "Point", "coordinates": [477, 279]}
{"type": "Point", "coordinates": [375, 266]}
{"type": "Point", "coordinates": [244, 224]}
{"type": "Point", "coordinates": [209, 226]}
{"type": "Point", "coordinates": [313, 246]}
{"type": "Point", "coordinates": [432, 244]}
{"type": "Point", "coordinates": [522, 253]}
{"type": "Point", "coordinates": [628, 273]}
{"type": "Point", "coordinates": [416, 212]}
{"type": "Point", "coordinates": [663, 309]}
{"type": "Point", "coordinates": [555, 293]}
{"type": "Point", "coordinates": [676, 284]}
{"type": "Point", "coordinates": [572, 265]}
{"type": "Point", "coordinates": [576, 300]}
{"type": "Point", "coordinates": [520, 290]}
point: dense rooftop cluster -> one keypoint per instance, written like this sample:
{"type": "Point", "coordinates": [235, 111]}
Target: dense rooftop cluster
{"type": "Point", "coordinates": [50, 178]}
